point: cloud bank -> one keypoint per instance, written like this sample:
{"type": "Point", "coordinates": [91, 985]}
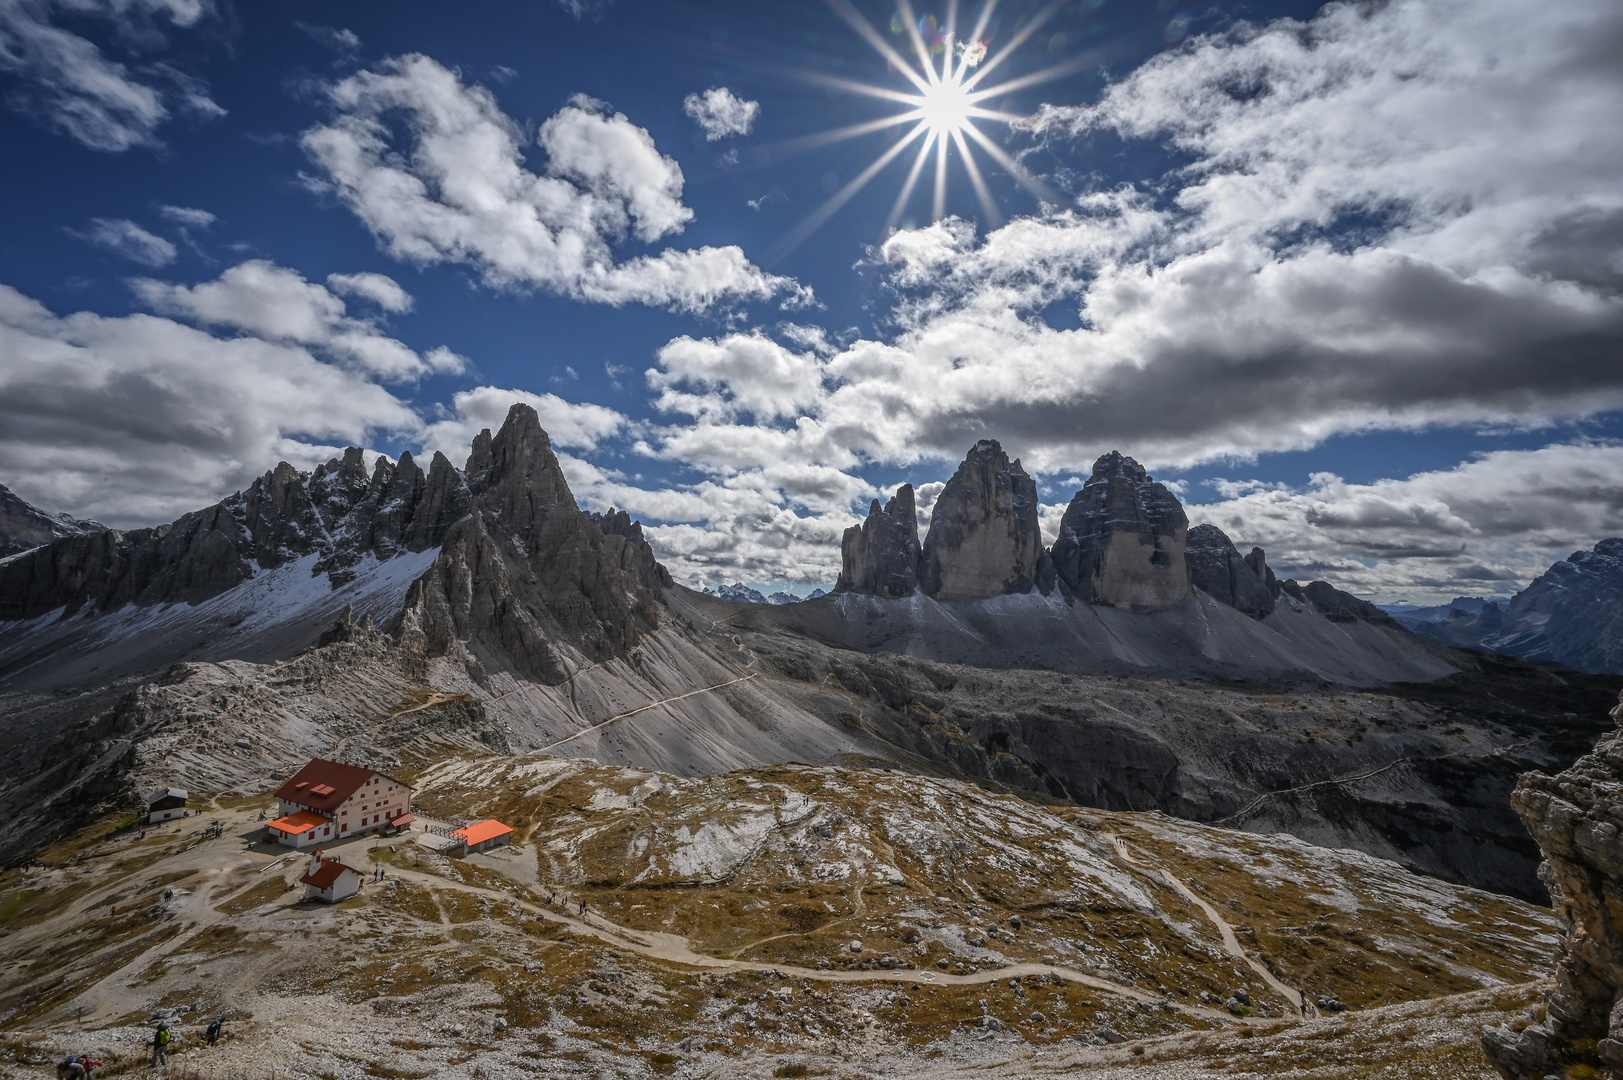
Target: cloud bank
{"type": "Point", "coordinates": [1391, 217]}
{"type": "Point", "coordinates": [145, 417]}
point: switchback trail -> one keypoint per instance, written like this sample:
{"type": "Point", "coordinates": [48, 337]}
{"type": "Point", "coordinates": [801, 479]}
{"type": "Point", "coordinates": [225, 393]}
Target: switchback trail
{"type": "Point", "coordinates": [1333, 781]}
{"type": "Point", "coordinates": [676, 949]}
{"type": "Point", "coordinates": [1231, 943]}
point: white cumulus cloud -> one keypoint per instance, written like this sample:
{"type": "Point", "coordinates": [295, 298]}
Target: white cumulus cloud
{"type": "Point", "coordinates": [274, 303]}
{"type": "Point", "coordinates": [381, 289]}
{"type": "Point", "coordinates": [719, 112]}
{"type": "Point", "coordinates": [460, 191]}
{"type": "Point", "coordinates": [568, 424]}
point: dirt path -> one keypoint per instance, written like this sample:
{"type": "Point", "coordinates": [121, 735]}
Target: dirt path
{"type": "Point", "coordinates": [644, 708]}
{"type": "Point", "coordinates": [435, 698]}
{"type": "Point", "coordinates": [676, 949]}
{"type": "Point", "coordinates": [1337, 780]}
{"type": "Point", "coordinates": [1231, 943]}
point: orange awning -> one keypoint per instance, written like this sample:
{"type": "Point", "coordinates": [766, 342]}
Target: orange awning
{"type": "Point", "coordinates": [403, 819]}
{"type": "Point", "coordinates": [302, 822]}
{"type": "Point", "coordinates": [480, 831]}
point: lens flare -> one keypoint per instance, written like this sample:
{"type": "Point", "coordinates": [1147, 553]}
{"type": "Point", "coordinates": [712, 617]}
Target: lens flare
{"type": "Point", "coordinates": [947, 77]}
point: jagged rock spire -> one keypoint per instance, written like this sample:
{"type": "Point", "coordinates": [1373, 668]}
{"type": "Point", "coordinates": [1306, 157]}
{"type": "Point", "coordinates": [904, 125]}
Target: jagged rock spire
{"type": "Point", "coordinates": [881, 556]}
{"type": "Point", "coordinates": [516, 475]}
{"type": "Point", "coordinates": [1122, 539]}
{"type": "Point", "coordinates": [1217, 569]}
{"type": "Point", "coordinates": [527, 581]}
{"type": "Point", "coordinates": [984, 537]}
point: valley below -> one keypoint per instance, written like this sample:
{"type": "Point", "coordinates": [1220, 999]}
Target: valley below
{"type": "Point", "coordinates": [845, 922]}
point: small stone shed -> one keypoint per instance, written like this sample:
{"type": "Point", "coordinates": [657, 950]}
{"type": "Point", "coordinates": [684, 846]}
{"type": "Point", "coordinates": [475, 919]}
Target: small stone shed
{"type": "Point", "coordinates": [330, 880]}
{"type": "Point", "coordinates": [165, 803]}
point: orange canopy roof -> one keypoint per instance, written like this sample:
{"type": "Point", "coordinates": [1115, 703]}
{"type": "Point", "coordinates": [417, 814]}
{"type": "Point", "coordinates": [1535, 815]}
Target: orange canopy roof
{"type": "Point", "coordinates": [294, 824]}
{"type": "Point", "coordinates": [480, 831]}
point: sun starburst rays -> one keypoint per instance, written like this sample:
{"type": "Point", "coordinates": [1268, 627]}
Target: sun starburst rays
{"type": "Point", "coordinates": [943, 105]}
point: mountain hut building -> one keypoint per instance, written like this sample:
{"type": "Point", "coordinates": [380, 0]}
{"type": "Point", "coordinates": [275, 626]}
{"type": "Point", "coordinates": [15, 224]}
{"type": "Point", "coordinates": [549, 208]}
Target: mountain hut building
{"type": "Point", "coordinates": [328, 800]}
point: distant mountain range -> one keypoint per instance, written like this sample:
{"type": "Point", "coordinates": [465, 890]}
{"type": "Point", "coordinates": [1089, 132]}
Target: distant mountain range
{"type": "Point", "coordinates": [24, 525]}
{"type": "Point", "coordinates": [1572, 614]}
{"type": "Point", "coordinates": [746, 595]}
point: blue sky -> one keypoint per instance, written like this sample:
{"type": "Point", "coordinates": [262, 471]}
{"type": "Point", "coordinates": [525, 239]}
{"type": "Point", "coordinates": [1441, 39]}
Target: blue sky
{"type": "Point", "coordinates": [1348, 279]}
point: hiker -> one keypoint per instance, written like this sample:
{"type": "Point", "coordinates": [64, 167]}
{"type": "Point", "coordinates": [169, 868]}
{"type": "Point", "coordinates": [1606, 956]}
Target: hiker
{"type": "Point", "coordinates": [75, 1068]}
{"type": "Point", "coordinates": [214, 1031]}
{"type": "Point", "coordinates": [160, 1045]}
{"type": "Point", "coordinates": [583, 909]}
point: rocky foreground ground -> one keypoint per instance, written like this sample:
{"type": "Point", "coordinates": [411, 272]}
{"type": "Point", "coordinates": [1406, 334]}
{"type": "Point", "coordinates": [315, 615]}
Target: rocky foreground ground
{"type": "Point", "coordinates": [777, 922]}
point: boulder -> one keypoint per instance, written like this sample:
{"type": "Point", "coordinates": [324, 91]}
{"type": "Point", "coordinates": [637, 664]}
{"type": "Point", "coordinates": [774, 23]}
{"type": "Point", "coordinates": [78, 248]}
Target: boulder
{"type": "Point", "coordinates": [1123, 538]}
{"type": "Point", "coordinates": [1577, 819]}
{"type": "Point", "coordinates": [984, 539]}
{"type": "Point", "coordinates": [1217, 569]}
{"type": "Point", "coordinates": [881, 556]}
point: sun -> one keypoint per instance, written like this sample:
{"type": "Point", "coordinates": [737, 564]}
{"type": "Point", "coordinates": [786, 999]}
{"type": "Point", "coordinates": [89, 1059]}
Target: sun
{"type": "Point", "coordinates": [946, 107]}
{"type": "Point", "coordinates": [947, 77]}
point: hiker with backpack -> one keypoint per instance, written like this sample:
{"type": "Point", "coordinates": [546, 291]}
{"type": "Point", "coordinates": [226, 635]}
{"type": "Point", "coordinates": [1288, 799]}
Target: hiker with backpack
{"type": "Point", "coordinates": [214, 1031]}
{"type": "Point", "coordinates": [160, 1045]}
{"type": "Point", "coordinates": [77, 1068]}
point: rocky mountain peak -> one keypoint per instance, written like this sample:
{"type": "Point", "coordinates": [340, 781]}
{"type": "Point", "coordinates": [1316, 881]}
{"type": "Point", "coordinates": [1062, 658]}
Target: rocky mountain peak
{"type": "Point", "coordinates": [1572, 614]}
{"type": "Point", "coordinates": [984, 538]}
{"type": "Point", "coordinates": [881, 556]}
{"type": "Point", "coordinates": [529, 582]}
{"type": "Point", "coordinates": [1123, 539]}
{"type": "Point", "coordinates": [518, 476]}
{"type": "Point", "coordinates": [1217, 569]}
{"type": "Point", "coordinates": [24, 525]}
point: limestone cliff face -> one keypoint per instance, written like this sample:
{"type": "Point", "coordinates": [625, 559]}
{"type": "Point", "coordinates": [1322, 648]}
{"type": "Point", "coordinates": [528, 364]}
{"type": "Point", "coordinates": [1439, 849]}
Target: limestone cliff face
{"type": "Point", "coordinates": [1577, 819]}
{"type": "Point", "coordinates": [1122, 540]}
{"type": "Point", "coordinates": [984, 538]}
{"type": "Point", "coordinates": [341, 513]}
{"type": "Point", "coordinates": [881, 556]}
{"type": "Point", "coordinates": [1216, 568]}
{"type": "Point", "coordinates": [526, 581]}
